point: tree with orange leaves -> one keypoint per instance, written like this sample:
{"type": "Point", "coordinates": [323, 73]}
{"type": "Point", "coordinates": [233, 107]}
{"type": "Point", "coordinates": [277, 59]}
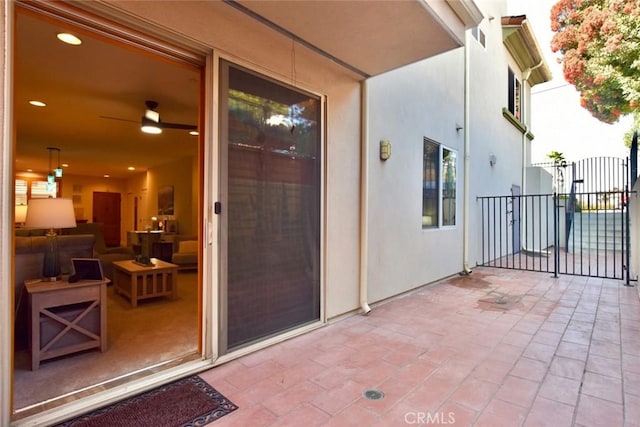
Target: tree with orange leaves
{"type": "Point", "coordinates": [599, 44]}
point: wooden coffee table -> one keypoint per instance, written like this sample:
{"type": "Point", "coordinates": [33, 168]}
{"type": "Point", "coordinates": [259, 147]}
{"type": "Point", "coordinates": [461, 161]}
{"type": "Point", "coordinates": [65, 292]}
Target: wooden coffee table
{"type": "Point", "coordinates": [137, 282]}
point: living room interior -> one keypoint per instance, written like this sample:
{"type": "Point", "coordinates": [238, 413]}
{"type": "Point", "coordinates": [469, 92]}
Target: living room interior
{"type": "Point", "coordinates": [133, 194]}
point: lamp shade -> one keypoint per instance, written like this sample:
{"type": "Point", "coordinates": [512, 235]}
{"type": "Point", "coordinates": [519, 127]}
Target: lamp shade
{"type": "Point", "coordinates": [21, 213]}
{"type": "Point", "coordinates": [50, 213]}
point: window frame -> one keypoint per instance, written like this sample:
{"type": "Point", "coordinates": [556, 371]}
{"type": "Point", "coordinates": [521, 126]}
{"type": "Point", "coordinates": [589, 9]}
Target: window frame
{"type": "Point", "coordinates": [427, 186]}
{"type": "Point", "coordinates": [514, 94]}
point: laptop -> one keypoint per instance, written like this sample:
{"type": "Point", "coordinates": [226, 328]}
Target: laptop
{"type": "Point", "coordinates": [86, 269]}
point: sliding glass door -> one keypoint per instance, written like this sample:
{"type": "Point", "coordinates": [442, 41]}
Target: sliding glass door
{"type": "Point", "coordinates": [271, 139]}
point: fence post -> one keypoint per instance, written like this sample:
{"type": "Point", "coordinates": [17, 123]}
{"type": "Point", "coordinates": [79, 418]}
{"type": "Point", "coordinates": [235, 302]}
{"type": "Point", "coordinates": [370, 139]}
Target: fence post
{"type": "Point", "coordinates": [556, 237]}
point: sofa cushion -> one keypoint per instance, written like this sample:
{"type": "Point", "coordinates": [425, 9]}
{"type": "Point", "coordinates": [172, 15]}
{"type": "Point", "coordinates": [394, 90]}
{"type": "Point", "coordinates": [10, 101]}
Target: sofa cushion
{"type": "Point", "coordinates": [187, 246]}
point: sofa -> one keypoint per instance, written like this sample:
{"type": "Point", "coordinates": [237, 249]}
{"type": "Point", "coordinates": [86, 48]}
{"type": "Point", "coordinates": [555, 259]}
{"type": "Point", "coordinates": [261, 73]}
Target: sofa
{"type": "Point", "coordinates": [28, 260]}
{"type": "Point", "coordinates": [185, 252]}
{"type": "Point", "coordinates": [106, 255]}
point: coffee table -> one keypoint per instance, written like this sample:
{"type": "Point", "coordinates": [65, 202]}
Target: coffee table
{"type": "Point", "coordinates": [137, 282]}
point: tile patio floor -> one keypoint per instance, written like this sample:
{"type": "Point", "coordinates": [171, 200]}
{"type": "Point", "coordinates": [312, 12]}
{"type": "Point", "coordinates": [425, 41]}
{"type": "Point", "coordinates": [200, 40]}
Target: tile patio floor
{"type": "Point", "coordinates": [553, 352]}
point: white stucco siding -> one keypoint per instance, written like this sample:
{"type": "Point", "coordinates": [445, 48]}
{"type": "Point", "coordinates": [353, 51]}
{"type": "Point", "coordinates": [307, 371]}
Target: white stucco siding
{"type": "Point", "coordinates": [343, 200]}
{"type": "Point", "coordinates": [421, 100]}
{"type": "Point", "coordinates": [490, 132]}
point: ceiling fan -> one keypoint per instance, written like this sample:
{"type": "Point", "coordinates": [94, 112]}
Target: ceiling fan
{"type": "Point", "coordinates": [151, 123]}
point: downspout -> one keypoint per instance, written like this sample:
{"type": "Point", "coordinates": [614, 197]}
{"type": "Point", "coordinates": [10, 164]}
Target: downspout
{"type": "Point", "coordinates": [364, 194]}
{"type": "Point", "coordinates": [467, 102]}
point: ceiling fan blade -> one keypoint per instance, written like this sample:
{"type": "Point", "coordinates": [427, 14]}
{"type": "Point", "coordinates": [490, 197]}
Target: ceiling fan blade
{"type": "Point", "coordinates": [118, 118]}
{"type": "Point", "coordinates": [166, 125]}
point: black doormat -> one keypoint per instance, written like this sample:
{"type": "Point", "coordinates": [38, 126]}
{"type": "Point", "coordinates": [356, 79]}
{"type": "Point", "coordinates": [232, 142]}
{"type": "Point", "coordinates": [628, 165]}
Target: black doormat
{"type": "Point", "coordinates": [188, 402]}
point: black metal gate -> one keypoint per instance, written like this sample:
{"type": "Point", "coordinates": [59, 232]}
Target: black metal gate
{"type": "Point", "coordinates": [581, 229]}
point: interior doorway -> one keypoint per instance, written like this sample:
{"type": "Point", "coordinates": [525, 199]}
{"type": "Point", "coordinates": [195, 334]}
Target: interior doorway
{"type": "Point", "coordinates": [97, 129]}
{"type": "Point", "coordinates": [106, 211]}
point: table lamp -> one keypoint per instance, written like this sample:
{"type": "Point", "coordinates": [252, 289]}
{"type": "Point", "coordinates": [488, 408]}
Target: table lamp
{"type": "Point", "coordinates": [50, 214]}
{"type": "Point", "coordinates": [21, 214]}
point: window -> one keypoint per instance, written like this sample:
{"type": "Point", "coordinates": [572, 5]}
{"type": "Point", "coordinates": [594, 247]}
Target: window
{"type": "Point", "coordinates": [438, 185]}
{"type": "Point", "coordinates": [514, 94]}
{"type": "Point", "coordinates": [479, 35]}
{"type": "Point", "coordinates": [34, 188]}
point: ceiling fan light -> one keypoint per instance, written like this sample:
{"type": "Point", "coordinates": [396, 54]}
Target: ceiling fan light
{"type": "Point", "coordinates": [153, 130]}
{"type": "Point", "coordinates": [150, 126]}
{"type": "Point", "coordinates": [154, 116]}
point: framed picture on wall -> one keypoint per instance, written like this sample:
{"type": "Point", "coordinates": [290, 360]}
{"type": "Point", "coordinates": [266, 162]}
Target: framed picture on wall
{"type": "Point", "coordinates": [165, 200]}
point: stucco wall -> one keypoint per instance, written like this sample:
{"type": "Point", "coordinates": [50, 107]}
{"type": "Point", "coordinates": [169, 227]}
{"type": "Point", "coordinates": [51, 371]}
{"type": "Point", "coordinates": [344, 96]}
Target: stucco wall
{"type": "Point", "coordinates": [422, 100]}
{"type": "Point", "coordinates": [490, 132]}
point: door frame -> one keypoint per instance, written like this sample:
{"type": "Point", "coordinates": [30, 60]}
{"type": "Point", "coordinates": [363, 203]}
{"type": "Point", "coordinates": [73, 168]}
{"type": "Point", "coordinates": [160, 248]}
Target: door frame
{"type": "Point", "coordinates": [94, 16]}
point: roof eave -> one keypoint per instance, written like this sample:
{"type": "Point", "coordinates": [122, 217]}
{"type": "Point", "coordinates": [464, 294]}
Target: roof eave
{"type": "Point", "coordinates": [521, 43]}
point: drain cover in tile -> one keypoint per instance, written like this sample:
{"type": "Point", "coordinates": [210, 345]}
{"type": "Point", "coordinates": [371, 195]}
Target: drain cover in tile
{"type": "Point", "coordinates": [373, 394]}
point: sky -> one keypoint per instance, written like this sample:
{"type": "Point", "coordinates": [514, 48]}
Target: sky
{"type": "Point", "coordinates": [558, 122]}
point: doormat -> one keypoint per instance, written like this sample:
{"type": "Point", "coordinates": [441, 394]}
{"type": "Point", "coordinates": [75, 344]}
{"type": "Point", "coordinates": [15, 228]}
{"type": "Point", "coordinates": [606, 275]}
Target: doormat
{"type": "Point", "coordinates": [188, 402]}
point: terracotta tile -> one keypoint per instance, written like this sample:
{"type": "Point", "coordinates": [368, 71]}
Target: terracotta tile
{"type": "Point", "coordinates": [352, 416]}
{"type": "Point", "coordinates": [577, 337]}
{"type": "Point", "coordinates": [572, 350]}
{"type": "Point", "coordinates": [474, 393]}
{"type": "Point", "coordinates": [333, 401]}
{"type": "Point", "coordinates": [560, 389]}
{"type": "Point", "coordinates": [602, 387]}
{"type": "Point", "coordinates": [541, 352]}
{"type": "Point", "coordinates": [456, 415]}
{"type": "Point", "coordinates": [547, 337]}
{"type": "Point", "coordinates": [608, 335]}
{"type": "Point", "coordinates": [432, 393]}
{"type": "Point", "coordinates": [287, 400]}
{"type": "Point", "coordinates": [568, 368]}
{"type": "Point", "coordinates": [492, 370]}
{"type": "Point", "coordinates": [545, 412]}
{"type": "Point", "coordinates": [499, 413]}
{"type": "Point", "coordinates": [518, 339]}
{"type": "Point", "coordinates": [605, 349]}
{"type": "Point", "coordinates": [631, 383]}
{"type": "Point", "coordinates": [253, 416]}
{"type": "Point", "coordinates": [604, 366]}
{"type": "Point", "coordinates": [518, 391]}
{"type": "Point", "coordinates": [557, 327]}
{"type": "Point", "coordinates": [306, 415]}
{"type": "Point", "coordinates": [631, 410]}
{"type": "Point", "coordinates": [596, 412]}
{"type": "Point", "coordinates": [530, 369]}
{"type": "Point", "coordinates": [245, 378]}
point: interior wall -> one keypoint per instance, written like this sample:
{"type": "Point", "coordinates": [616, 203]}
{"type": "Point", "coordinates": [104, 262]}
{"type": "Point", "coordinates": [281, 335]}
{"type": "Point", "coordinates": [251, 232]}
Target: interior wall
{"type": "Point", "coordinates": [179, 176]}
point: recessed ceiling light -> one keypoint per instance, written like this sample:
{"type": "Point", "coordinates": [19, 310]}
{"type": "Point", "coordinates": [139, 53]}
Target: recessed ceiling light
{"type": "Point", "coordinates": [69, 39]}
{"type": "Point", "coordinates": [194, 133]}
{"type": "Point", "coordinates": [37, 103]}
{"type": "Point", "coordinates": [106, 175]}
{"type": "Point", "coordinates": [65, 165]}
{"type": "Point", "coordinates": [131, 168]}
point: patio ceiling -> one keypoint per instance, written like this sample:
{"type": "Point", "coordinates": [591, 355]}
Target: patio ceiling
{"type": "Point", "coordinates": [369, 37]}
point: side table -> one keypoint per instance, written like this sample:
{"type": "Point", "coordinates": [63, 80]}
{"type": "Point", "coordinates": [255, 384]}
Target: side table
{"type": "Point", "coordinates": [66, 318]}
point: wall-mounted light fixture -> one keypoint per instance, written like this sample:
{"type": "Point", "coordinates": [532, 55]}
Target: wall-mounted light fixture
{"type": "Point", "coordinates": [492, 160]}
{"type": "Point", "coordinates": [385, 149]}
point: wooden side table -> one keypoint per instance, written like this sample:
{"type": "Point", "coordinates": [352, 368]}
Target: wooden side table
{"type": "Point", "coordinates": [66, 318]}
{"type": "Point", "coordinates": [138, 282]}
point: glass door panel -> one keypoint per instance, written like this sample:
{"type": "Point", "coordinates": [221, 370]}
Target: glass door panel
{"type": "Point", "coordinates": [272, 139]}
